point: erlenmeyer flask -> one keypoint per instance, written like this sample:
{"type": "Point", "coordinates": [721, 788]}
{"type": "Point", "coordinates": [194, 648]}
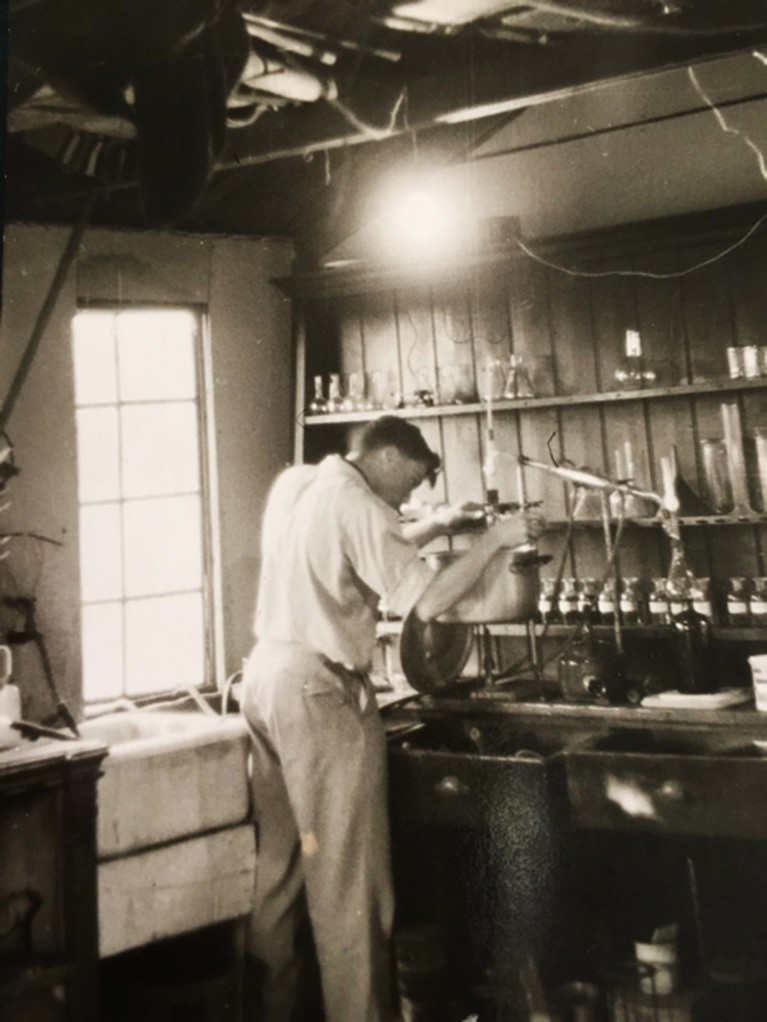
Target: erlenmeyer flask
{"type": "Point", "coordinates": [318, 404]}
{"type": "Point", "coordinates": [517, 379]}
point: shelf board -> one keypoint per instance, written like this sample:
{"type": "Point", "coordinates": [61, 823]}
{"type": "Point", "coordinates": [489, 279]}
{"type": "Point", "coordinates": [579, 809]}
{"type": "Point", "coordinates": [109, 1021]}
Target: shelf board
{"type": "Point", "coordinates": [756, 518]}
{"type": "Point", "coordinates": [520, 404]}
{"type": "Point", "coordinates": [387, 629]}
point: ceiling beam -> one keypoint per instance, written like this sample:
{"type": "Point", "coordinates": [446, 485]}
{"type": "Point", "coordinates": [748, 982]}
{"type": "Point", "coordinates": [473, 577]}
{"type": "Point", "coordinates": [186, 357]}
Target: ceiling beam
{"type": "Point", "coordinates": [472, 89]}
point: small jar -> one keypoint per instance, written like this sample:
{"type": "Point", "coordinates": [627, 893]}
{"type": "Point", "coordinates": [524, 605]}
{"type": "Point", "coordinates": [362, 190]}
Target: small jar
{"type": "Point", "coordinates": [630, 602]}
{"type": "Point", "coordinates": [548, 607]}
{"type": "Point", "coordinates": [607, 603]}
{"type": "Point", "coordinates": [738, 610]}
{"type": "Point", "coordinates": [758, 603]}
{"type": "Point", "coordinates": [588, 598]}
{"type": "Point", "coordinates": [568, 601]}
{"type": "Point", "coordinates": [701, 598]}
{"type": "Point", "coordinates": [657, 603]}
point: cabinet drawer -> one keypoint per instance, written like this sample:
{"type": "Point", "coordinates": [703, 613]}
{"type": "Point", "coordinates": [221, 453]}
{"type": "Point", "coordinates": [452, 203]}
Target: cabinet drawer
{"type": "Point", "coordinates": [720, 792]}
{"type": "Point", "coordinates": [465, 789]}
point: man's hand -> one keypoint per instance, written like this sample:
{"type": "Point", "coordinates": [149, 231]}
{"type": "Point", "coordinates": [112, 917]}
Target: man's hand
{"type": "Point", "coordinates": [518, 529]}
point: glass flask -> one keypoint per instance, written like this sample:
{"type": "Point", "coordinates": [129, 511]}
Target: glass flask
{"type": "Point", "coordinates": [592, 669]}
{"type": "Point", "coordinates": [633, 372]}
{"type": "Point", "coordinates": [517, 382]}
{"type": "Point", "coordinates": [318, 403]}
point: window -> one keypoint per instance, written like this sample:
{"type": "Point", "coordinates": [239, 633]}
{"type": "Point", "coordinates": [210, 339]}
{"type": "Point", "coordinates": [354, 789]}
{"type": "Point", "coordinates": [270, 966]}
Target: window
{"type": "Point", "coordinates": [144, 528]}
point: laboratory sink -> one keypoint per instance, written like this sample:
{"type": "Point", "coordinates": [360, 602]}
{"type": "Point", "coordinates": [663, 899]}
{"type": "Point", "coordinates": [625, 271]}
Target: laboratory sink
{"type": "Point", "coordinates": [708, 783]}
{"type": "Point", "coordinates": [175, 842]}
{"type": "Point", "coordinates": [167, 774]}
{"type": "Point", "coordinates": [450, 773]}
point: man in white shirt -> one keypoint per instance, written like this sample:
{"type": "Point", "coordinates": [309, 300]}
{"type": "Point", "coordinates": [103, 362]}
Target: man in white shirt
{"type": "Point", "coordinates": [332, 549]}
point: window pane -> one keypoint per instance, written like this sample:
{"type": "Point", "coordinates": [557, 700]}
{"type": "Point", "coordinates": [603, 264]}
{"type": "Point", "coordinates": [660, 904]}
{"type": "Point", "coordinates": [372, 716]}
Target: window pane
{"type": "Point", "coordinates": [94, 358]}
{"type": "Point", "coordinates": [157, 354]}
{"type": "Point", "coordinates": [102, 651]}
{"type": "Point", "coordinates": [160, 449]}
{"type": "Point", "coordinates": [163, 542]}
{"type": "Point", "coordinates": [100, 553]}
{"type": "Point", "coordinates": [98, 454]}
{"type": "Point", "coordinates": [165, 646]}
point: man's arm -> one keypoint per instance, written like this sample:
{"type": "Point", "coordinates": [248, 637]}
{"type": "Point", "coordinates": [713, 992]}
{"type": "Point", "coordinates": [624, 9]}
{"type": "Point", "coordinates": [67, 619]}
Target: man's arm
{"type": "Point", "coordinates": [455, 580]}
{"type": "Point", "coordinates": [444, 521]}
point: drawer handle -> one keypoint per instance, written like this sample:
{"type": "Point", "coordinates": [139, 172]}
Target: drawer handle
{"type": "Point", "coordinates": [451, 786]}
{"type": "Point", "coordinates": [671, 791]}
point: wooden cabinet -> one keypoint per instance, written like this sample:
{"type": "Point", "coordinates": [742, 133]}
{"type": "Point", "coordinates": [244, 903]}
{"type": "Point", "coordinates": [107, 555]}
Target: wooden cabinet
{"type": "Point", "coordinates": [49, 933]}
{"type": "Point", "coordinates": [692, 287]}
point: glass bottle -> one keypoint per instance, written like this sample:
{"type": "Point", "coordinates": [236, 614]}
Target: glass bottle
{"type": "Point", "coordinates": [701, 598]}
{"type": "Point", "coordinates": [630, 602]}
{"type": "Point", "coordinates": [587, 598]}
{"type": "Point", "coordinates": [680, 579]}
{"type": "Point", "coordinates": [607, 602]}
{"type": "Point", "coordinates": [759, 601]}
{"type": "Point", "coordinates": [548, 607]}
{"type": "Point", "coordinates": [318, 404]}
{"type": "Point", "coordinates": [592, 669]}
{"type": "Point", "coordinates": [568, 601]}
{"type": "Point", "coordinates": [657, 602]}
{"type": "Point", "coordinates": [633, 373]}
{"type": "Point", "coordinates": [692, 644]}
{"type": "Point", "coordinates": [738, 611]}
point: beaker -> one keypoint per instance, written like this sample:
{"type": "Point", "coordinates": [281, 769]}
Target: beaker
{"type": "Point", "coordinates": [716, 473]}
{"type": "Point", "coordinates": [760, 435]}
{"type": "Point", "coordinates": [492, 380]}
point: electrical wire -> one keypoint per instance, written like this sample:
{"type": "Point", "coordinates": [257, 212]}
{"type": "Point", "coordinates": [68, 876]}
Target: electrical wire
{"type": "Point", "coordinates": [648, 274]}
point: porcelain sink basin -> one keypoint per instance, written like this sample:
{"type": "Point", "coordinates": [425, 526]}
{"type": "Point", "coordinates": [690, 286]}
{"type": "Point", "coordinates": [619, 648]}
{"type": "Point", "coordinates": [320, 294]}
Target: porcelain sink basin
{"type": "Point", "coordinates": [169, 774]}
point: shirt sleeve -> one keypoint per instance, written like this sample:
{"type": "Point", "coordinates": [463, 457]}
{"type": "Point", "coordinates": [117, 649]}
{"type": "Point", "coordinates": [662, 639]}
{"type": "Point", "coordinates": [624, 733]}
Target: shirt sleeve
{"type": "Point", "coordinates": [383, 558]}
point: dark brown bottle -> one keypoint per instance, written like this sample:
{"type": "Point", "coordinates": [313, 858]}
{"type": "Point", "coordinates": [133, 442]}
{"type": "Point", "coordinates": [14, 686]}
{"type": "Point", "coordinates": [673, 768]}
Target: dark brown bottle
{"type": "Point", "coordinates": [692, 640]}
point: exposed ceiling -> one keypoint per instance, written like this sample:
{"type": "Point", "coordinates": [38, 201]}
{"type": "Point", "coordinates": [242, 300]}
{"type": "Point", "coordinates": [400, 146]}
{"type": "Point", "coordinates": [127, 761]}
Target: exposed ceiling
{"type": "Point", "coordinates": [270, 118]}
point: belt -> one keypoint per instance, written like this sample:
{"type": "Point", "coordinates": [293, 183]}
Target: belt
{"type": "Point", "coordinates": [348, 675]}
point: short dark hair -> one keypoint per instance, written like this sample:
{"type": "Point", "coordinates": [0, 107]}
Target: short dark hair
{"type": "Point", "coordinates": [392, 431]}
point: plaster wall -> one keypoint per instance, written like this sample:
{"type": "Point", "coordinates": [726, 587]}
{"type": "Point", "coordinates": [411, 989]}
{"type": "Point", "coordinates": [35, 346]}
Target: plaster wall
{"type": "Point", "coordinates": [252, 371]}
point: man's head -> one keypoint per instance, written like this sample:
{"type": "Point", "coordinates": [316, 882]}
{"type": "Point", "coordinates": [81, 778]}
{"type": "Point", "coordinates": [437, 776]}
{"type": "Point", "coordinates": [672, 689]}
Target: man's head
{"type": "Point", "coordinates": [395, 458]}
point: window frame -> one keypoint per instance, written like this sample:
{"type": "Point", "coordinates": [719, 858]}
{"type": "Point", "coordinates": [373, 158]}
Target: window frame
{"type": "Point", "coordinates": [212, 588]}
